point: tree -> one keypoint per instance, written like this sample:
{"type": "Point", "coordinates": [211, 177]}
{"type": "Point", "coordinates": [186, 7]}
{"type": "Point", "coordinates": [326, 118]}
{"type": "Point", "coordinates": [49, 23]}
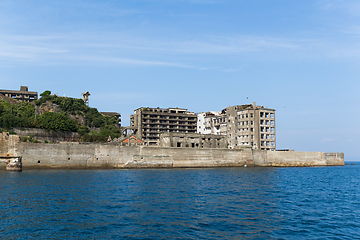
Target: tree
{"type": "Point", "coordinates": [58, 122]}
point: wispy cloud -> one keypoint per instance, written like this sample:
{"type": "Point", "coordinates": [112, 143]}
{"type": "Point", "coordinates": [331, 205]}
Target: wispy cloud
{"type": "Point", "coordinates": [128, 61]}
{"type": "Point", "coordinates": [234, 69]}
{"type": "Point", "coordinates": [346, 7]}
{"type": "Point", "coordinates": [329, 139]}
{"type": "Point", "coordinates": [122, 49]}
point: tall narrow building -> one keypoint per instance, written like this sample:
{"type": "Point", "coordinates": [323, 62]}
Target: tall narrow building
{"type": "Point", "coordinates": [148, 123]}
{"type": "Point", "coordinates": [251, 125]}
{"type": "Point", "coordinates": [244, 125]}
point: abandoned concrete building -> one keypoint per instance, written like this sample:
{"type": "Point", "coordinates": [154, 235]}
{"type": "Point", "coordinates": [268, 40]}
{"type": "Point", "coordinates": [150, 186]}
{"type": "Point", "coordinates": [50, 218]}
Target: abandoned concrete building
{"type": "Point", "coordinates": [205, 124]}
{"type": "Point", "coordinates": [192, 140]}
{"type": "Point", "coordinates": [212, 123]}
{"type": "Point", "coordinates": [22, 95]}
{"type": "Point", "coordinates": [148, 123]}
{"type": "Point", "coordinates": [244, 125]}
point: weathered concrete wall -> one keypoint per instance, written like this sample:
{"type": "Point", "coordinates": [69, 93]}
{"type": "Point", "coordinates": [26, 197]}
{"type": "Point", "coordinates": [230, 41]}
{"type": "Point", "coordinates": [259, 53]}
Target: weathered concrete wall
{"type": "Point", "coordinates": [8, 148]}
{"type": "Point", "coordinates": [8, 144]}
{"type": "Point", "coordinates": [292, 158]}
{"type": "Point", "coordinates": [79, 155]}
{"type": "Point", "coordinates": [92, 155]}
{"type": "Point", "coordinates": [334, 159]}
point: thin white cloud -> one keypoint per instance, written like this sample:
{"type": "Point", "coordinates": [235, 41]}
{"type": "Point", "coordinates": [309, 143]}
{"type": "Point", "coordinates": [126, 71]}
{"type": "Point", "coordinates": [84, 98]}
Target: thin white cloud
{"type": "Point", "coordinates": [130, 50]}
{"type": "Point", "coordinates": [345, 7]}
{"type": "Point", "coordinates": [329, 139]}
{"type": "Point", "coordinates": [128, 61]}
{"type": "Point", "coordinates": [234, 69]}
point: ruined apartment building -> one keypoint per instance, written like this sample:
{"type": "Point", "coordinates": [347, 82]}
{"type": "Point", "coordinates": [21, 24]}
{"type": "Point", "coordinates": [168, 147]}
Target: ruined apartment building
{"type": "Point", "coordinates": [22, 95]}
{"type": "Point", "coordinates": [244, 125]}
{"type": "Point", "coordinates": [212, 122]}
{"type": "Point", "coordinates": [148, 123]}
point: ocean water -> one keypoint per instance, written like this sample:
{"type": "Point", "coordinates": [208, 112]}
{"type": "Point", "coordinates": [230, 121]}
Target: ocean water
{"type": "Point", "coordinates": [217, 203]}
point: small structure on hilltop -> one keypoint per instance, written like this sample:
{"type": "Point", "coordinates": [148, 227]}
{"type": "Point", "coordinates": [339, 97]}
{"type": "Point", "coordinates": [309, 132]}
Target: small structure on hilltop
{"type": "Point", "coordinates": [86, 97]}
{"type": "Point", "coordinates": [22, 95]}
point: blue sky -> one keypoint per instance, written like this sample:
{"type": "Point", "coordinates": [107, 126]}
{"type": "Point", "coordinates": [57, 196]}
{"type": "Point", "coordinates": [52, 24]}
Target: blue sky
{"type": "Point", "coordinates": [301, 58]}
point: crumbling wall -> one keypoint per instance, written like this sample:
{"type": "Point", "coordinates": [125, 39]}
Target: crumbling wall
{"type": "Point", "coordinates": [8, 144]}
{"type": "Point", "coordinates": [294, 158]}
{"type": "Point", "coordinates": [333, 159]}
{"type": "Point", "coordinates": [8, 147]}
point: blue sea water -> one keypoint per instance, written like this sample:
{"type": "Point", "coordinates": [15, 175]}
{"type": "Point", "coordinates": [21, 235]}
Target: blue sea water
{"type": "Point", "coordinates": [217, 203]}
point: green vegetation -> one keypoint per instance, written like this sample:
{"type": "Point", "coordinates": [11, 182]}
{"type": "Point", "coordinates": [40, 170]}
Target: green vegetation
{"type": "Point", "coordinates": [245, 106]}
{"type": "Point", "coordinates": [29, 138]}
{"type": "Point", "coordinates": [69, 105]}
{"type": "Point", "coordinates": [22, 115]}
{"type": "Point", "coordinates": [58, 122]}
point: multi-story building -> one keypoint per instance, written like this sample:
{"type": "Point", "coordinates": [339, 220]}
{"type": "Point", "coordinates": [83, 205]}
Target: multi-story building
{"type": "Point", "coordinates": [245, 126]}
{"type": "Point", "coordinates": [205, 124]}
{"type": "Point", "coordinates": [148, 123]}
{"type": "Point", "coordinates": [22, 95]}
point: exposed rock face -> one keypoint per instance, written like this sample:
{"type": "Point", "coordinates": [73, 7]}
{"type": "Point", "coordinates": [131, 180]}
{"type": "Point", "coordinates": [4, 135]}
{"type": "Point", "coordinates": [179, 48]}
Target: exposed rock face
{"type": "Point", "coordinates": [80, 119]}
{"type": "Point", "coordinates": [47, 106]}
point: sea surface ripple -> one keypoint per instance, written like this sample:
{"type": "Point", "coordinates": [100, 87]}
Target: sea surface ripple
{"type": "Point", "coordinates": [221, 203]}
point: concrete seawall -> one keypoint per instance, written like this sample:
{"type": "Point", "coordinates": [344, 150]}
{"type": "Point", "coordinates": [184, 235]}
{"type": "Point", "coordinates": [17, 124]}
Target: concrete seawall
{"type": "Point", "coordinates": [96, 155]}
{"type": "Point", "coordinates": [75, 155]}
